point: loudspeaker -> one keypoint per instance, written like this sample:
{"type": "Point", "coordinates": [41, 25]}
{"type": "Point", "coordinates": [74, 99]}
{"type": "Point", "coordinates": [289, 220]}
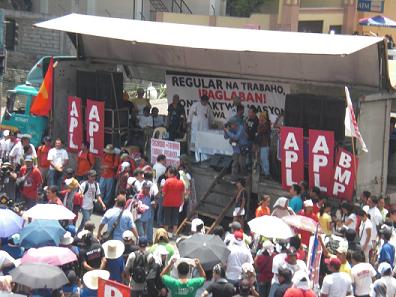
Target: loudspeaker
{"type": "Point", "coordinates": [218, 162]}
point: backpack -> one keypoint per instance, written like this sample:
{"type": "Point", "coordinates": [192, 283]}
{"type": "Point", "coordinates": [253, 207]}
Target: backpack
{"type": "Point", "coordinates": [87, 187]}
{"type": "Point", "coordinates": [139, 268]}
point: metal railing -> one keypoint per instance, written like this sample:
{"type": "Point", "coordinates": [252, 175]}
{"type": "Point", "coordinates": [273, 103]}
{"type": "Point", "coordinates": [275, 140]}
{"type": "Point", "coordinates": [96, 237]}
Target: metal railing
{"type": "Point", "coordinates": [180, 6]}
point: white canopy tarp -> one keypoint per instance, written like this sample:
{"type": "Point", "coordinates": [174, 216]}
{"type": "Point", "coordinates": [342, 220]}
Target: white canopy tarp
{"type": "Point", "coordinates": [151, 48]}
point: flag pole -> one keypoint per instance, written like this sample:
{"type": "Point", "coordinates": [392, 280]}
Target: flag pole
{"type": "Point", "coordinates": [354, 162]}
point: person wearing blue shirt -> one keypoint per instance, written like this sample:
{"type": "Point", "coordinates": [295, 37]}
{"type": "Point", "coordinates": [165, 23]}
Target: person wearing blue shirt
{"type": "Point", "coordinates": [387, 252]}
{"type": "Point", "coordinates": [110, 217]}
{"type": "Point", "coordinates": [114, 250]}
{"type": "Point", "coordinates": [240, 146]}
{"type": "Point", "coordinates": [295, 202]}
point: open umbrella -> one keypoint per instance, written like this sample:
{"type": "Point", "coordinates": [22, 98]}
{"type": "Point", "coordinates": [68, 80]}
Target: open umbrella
{"type": "Point", "coordinates": [41, 233]}
{"type": "Point", "coordinates": [378, 21]}
{"type": "Point", "coordinates": [49, 212]}
{"type": "Point", "coordinates": [10, 222]}
{"type": "Point", "coordinates": [209, 249]}
{"type": "Point", "coordinates": [301, 222]}
{"type": "Point", "coordinates": [270, 227]}
{"type": "Point", "coordinates": [39, 276]}
{"type": "Point", "coordinates": [52, 255]}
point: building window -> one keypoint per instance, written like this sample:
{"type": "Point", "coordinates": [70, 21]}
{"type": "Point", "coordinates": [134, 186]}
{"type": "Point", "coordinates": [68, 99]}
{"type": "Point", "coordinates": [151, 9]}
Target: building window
{"type": "Point", "coordinates": [10, 34]}
{"type": "Point", "coordinates": [310, 26]}
{"type": "Point", "coordinates": [335, 28]}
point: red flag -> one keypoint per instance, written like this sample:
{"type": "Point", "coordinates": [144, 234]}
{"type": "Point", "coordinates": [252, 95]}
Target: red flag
{"type": "Point", "coordinates": [42, 104]}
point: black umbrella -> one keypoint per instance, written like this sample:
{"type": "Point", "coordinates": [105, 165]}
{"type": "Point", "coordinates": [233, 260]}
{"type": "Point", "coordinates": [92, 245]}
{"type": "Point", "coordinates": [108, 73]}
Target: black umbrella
{"type": "Point", "coordinates": [209, 249]}
{"type": "Point", "coordinates": [39, 276]}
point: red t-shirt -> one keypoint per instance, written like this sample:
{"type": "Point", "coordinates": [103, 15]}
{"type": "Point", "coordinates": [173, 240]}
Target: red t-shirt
{"type": "Point", "coordinates": [294, 292]}
{"type": "Point", "coordinates": [173, 191]}
{"type": "Point", "coordinates": [262, 211]}
{"type": "Point", "coordinates": [264, 267]}
{"type": "Point", "coordinates": [57, 201]}
{"type": "Point", "coordinates": [110, 163]}
{"type": "Point", "coordinates": [32, 182]}
{"type": "Point", "coordinates": [42, 155]}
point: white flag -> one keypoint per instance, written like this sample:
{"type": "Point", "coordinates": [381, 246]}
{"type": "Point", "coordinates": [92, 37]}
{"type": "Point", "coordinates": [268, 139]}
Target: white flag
{"type": "Point", "coordinates": [351, 126]}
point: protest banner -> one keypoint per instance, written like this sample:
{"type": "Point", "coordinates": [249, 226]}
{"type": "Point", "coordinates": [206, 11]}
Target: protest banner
{"type": "Point", "coordinates": [263, 95]}
{"type": "Point", "coordinates": [171, 149]}
{"type": "Point", "coordinates": [344, 175]}
{"type": "Point", "coordinates": [321, 160]}
{"type": "Point", "coordinates": [292, 156]}
{"type": "Point", "coordinates": [109, 288]}
{"type": "Point", "coordinates": [74, 123]}
{"type": "Point", "coordinates": [95, 126]}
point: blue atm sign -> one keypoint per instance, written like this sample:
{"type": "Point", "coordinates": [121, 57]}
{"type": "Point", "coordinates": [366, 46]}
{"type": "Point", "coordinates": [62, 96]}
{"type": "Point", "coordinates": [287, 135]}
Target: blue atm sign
{"type": "Point", "coordinates": [371, 5]}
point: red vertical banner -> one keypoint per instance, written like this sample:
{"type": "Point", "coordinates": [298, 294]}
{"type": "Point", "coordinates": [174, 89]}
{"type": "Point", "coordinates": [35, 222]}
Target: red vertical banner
{"type": "Point", "coordinates": [74, 123]}
{"type": "Point", "coordinates": [109, 288]}
{"type": "Point", "coordinates": [344, 175]}
{"type": "Point", "coordinates": [321, 160]}
{"type": "Point", "coordinates": [292, 154]}
{"type": "Point", "coordinates": [94, 118]}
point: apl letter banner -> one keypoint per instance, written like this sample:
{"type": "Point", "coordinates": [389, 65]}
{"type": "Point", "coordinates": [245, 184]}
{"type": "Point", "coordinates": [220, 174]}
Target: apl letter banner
{"type": "Point", "coordinates": [109, 288]}
{"type": "Point", "coordinates": [321, 160]}
{"type": "Point", "coordinates": [292, 154]}
{"type": "Point", "coordinates": [344, 175]}
{"type": "Point", "coordinates": [95, 126]}
{"type": "Point", "coordinates": [75, 123]}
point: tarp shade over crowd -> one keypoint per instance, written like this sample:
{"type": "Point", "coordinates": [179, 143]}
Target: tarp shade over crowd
{"type": "Point", "coordinates": [152, 48]}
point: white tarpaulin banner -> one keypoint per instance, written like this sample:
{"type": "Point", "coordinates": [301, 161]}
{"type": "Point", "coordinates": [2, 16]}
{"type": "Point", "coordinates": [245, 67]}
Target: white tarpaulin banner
{"type": "Point", "coordinates": [263, 95]}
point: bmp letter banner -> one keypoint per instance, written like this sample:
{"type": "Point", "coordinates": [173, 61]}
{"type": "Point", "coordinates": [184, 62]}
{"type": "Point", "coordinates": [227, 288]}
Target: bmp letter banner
{"type": "Point", "coordinates": [344, 175]}
{"type": "Point", "coordinates": [95, 126]}
{"type": "Point", "coordinates": [263, 95]}
{"type": "Point", "coordinates": [75, 123]}
{"type": "Point", "coordinates": [292, 154]}
{"type": "Point", "coordinates": [321, 160]}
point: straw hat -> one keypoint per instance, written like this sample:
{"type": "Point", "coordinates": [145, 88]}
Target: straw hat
{"type": "Point", "coordinates": [72, 183]}
{"type": "Point", "coordinates": [91, 278]}
{"type": "Point", "coordinates": [113, 249]}
{"type": "Point", "coordinates": [67, 239]}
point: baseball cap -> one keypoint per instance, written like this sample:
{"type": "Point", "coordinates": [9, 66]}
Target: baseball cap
{"type": "Point", "coordinates": [195, 223]}
{"type": "Point", "coordinates": [342, 250]}
{"type": "Point", "coordinates": [333, 261]}
{"type": "Point", "coordinates": [127, 235]}
{"type": "Point", "coordinates": [385, 229]}
{"type": "Point", "coordinates": [366, 209]}
{"type": "Point", "coordinates": [147, 185]}
{"type": "Point", "coordinates": [92, 173]}
{"type": "Point", "coordinates": [384, 267]}
{"type": "Point", "coordinates": [308, 203]}
{"type": "Point", "coordinates": [238, 235]}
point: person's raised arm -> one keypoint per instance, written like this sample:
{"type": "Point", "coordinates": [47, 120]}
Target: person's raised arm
{"type": "Point", "coordinates": [200, 268]}
{"type": "Point", "coordinates": [168, 267]}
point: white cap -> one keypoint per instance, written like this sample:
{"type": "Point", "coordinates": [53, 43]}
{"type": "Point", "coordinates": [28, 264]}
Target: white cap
{"type": "Point", "coordinates": [301, 280]}
{"type": "Point", "coordinates": [383, 267]}
{"type": "Point", "coordinates": [125, 165]}
{"type": "Point", "coordinates": [127, 235]}
{"type": "Point", "coordinates": [366, 209]}
{"type": "Point", "coordinates": [195, 223]}
{"type": "Point", "coordinates": [6, 133]}
{"type": "Point", "coordinates": [308, 203]}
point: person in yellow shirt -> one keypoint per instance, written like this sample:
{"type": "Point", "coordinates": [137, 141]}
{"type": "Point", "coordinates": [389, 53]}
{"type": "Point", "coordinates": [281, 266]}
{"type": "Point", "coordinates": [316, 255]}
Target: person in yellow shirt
{"type": "Point", "coordinates": [341, 254]}
{"type": "Point", "coordinates": [324, 219]}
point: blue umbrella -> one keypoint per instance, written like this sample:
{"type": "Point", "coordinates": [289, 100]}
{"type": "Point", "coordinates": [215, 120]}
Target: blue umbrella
{"type": "Point", "coordinates": [41, 233]}
{"type": "Point", "coordinates": [10, 222]}
{"type": "Point", "coordinates": [378, 21]}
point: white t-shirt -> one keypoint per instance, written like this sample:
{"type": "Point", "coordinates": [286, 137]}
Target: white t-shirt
{"type": "Point", "coordinates": [337, 284]}
{"type": "Point", "coordinates": [352, 225]}
{"type": "Point", "coordinates": [92, 192]}
{"type": "Point", "coordinates": [376, 219]}
{"type": "Point", "coordinates": [133, 182]}
{"type": "Point", "coordinates": [17, 152]}
{"type": "Point", "coordinates": [362, 231]}
{"type": "Point", "coordinates": [238, 256]}
{"type": "Point", "coordinates": [57, 156]}
{"type": "Point", "coordinates": [390, 284]}
{"type": "Point", "coordinates": [362, 275]}
{"type": "Point", "coordinates": [159, 170]}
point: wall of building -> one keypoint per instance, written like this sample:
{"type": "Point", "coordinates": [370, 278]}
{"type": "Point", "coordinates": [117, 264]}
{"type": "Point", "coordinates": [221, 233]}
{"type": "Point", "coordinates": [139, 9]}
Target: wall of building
{"type": "Point", "coordinates": [330, 17]}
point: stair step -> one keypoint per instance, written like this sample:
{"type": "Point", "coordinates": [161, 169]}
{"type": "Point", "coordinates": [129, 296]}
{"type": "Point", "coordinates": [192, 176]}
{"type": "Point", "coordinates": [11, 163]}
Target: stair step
{"type": "Point", "coordinates": [209, 215]}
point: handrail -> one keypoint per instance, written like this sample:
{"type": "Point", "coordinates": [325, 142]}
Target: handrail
{"type": "Point", "coordinates": [180, 6]}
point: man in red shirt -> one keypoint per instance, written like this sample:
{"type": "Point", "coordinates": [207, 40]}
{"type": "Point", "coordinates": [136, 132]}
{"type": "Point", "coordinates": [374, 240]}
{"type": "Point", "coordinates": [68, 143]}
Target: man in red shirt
{"type": "Point", "coordinates": [173, 192]}
{"type": "Point", "coordinates": [52, 195]}
{"type": "Point", "coordinates": [42, 157]}
{"type": "Point", "coordinates": [30, 180]}
{"type": "Point", "coordinates": [109, 167]}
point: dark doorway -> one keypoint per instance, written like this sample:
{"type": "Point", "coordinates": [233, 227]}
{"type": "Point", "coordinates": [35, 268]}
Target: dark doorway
{"type": "Point", "coordinates": [310, 26]}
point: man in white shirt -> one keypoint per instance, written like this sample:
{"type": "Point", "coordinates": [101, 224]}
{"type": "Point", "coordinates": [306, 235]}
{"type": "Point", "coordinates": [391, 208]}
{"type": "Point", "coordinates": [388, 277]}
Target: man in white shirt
{"type": "Point", "coordinates": [3, 144]}
{"type": "Point", "coordinates": [91, 191]}
{"type": "Point", "coordinates": [58, 158]}
{"type": "Point", "coordinates": [363, 274]}
{"type": "Point", "coordinates": [336, 284]}
{"type": "Point", "coordinates": [159, 167]}
{"type": "Point", "coordinates": [365, 232]}
{"type": "Point", "coordinates": [238, 256]}
{"type": "Point", "coordinates": [17, 152]}
{"type": "Point", "coordinates": [386, 278]}
{"type": "Point", "coordinates": [375, 216]}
